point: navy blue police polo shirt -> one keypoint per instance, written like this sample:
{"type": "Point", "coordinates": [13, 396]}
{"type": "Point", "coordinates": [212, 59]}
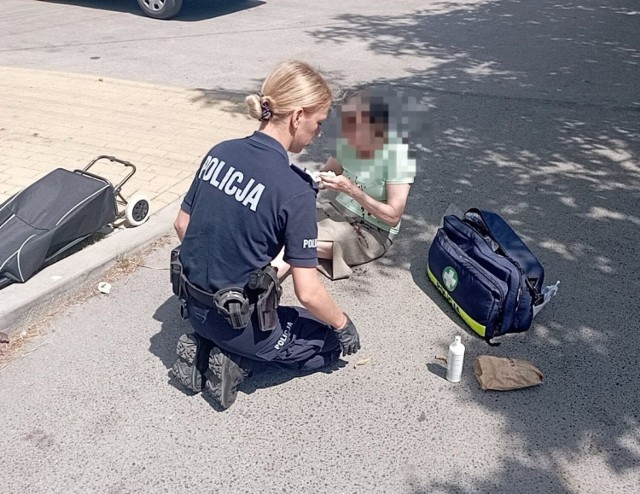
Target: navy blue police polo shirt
{"type": "Point", "coordinates": [247, 202]}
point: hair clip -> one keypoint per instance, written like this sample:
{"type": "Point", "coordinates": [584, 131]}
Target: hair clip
{"type": "Point", "coordinates": [266, 111]}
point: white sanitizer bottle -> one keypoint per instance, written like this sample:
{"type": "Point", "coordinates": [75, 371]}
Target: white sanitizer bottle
{"type": "Point", "coordinates": [455, 360]}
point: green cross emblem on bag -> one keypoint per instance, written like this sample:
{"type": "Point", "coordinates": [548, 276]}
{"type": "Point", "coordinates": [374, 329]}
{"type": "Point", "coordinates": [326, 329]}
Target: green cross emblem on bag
{"type": "Point", "coordinates": [450, 278]}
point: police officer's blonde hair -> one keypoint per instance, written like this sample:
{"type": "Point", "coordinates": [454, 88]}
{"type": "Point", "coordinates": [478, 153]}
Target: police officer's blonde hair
{"type": "Point", "coordinates": [293, 84]}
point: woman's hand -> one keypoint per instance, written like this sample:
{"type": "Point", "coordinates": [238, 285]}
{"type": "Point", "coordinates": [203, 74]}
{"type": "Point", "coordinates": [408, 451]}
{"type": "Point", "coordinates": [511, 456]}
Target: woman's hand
{"type": "Point", "coordinates": [332, 165]}
{"type": "Point", "coordinates": [339, 183]}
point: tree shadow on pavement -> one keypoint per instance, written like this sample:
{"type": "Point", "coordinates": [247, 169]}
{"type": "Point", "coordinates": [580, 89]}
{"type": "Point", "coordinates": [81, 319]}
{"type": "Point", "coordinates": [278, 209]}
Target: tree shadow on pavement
{"type": "Point", "coordinates": [537, 117]}
{"type": "Point", "coordinates": [228, 101]}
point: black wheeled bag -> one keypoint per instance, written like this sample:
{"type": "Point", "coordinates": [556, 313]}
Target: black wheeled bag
{"type": "Point", "coordinates": [49, 217]}
{"type": "Point", "coordinates": [486, 272]}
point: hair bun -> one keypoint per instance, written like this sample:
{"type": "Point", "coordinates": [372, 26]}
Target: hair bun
{"type": "Point", "coordinates": [254, 102]}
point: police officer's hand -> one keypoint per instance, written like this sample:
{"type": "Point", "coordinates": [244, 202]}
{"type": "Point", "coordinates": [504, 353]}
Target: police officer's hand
{"type": "Point", "coordinates": [348, 337]}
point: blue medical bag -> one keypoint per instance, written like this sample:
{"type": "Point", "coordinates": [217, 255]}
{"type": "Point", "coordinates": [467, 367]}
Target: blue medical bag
{"type": "Point", "coordinates": [486, 272]}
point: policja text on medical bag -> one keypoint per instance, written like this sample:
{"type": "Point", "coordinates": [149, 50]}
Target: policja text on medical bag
{"type": "Point", "coordinates": [486, 272]}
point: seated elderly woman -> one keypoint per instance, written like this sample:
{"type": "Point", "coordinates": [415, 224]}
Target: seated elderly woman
{"type": "Point", "coordinates": [372, 173]}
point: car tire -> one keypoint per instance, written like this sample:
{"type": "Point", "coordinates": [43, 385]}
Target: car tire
{"type": "Point", "coordinates": [160, 9]}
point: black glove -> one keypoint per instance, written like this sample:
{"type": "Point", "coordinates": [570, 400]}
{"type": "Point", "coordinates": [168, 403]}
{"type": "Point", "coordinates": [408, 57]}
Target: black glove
{"type": "Point", "coordinates": [348, 337]}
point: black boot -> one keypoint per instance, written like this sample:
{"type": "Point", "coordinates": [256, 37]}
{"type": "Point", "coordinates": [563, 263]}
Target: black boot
{"type": "Point", "coordinates": [193, 352]}
{"type": "Point", "coordinates": [224, 375]}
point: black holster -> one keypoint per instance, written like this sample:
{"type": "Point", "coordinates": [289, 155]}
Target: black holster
{"type": "Point", "coordinates": [177, 283]}
{"type": "Point", "coordinates": [265, 291]}
{"type": "Point", "coordinates": [232, 303]}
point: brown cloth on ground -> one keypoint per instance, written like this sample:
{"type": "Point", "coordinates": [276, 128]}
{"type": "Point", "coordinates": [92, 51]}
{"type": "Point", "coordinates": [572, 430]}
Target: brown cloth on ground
{"type": "Point", "coordinates": [503, 374]}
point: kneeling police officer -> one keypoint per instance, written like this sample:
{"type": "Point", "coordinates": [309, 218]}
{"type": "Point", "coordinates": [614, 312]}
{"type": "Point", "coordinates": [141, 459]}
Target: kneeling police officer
{"type": "Point", "coordinates": [245, 204]}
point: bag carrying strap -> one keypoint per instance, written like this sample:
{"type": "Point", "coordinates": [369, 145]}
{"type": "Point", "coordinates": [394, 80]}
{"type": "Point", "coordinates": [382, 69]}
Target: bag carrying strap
{"type": "Point", "coordinates": [512, 247]}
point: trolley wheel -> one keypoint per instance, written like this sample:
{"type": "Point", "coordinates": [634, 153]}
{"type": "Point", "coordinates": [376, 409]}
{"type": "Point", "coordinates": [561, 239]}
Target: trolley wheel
{"type": "Point", "coordinates": [137, 210]}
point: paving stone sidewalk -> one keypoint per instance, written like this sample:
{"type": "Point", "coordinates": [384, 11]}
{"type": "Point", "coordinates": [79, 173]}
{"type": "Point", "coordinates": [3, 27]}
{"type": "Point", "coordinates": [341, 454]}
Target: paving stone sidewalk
{"type": "Point", "coordinates": [50, 120]}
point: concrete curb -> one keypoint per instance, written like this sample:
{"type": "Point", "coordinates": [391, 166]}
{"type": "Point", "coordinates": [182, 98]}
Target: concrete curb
{"type": "Point", "coordinates": [18, 300]}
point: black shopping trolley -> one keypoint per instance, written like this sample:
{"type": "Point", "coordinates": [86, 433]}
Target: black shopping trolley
{"type": "Point", "coordinates": [59, 211]}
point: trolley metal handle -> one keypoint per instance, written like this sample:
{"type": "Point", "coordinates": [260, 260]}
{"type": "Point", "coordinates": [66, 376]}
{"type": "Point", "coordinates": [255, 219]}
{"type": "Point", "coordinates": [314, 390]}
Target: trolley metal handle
{"type": "Point", "coordinates": [129, 165]}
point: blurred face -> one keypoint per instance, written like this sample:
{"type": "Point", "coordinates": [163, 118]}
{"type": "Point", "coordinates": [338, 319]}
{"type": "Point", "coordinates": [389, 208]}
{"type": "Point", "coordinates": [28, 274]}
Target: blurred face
{"type": "Point", "coordinates": [365, 137]}
{"type": "Point", "coordinates": [307, 127]}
